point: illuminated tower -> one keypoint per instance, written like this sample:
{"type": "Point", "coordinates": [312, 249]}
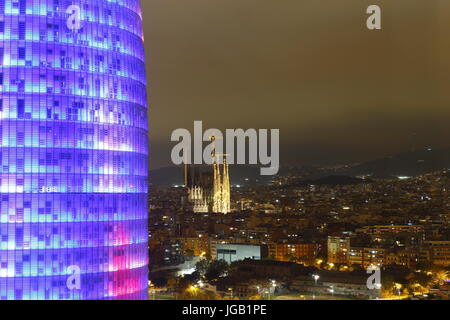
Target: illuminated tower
{"type": "Point", "coordinates": [217, 189]}
{"type": "Point", "coordinates": [226, 190]}
{"type": "Point", "coordinates": [209, 191]}
{"type": "Point", "coordinates": [73, 155]}
{"type": "Point", "coordinates": [221, 189]}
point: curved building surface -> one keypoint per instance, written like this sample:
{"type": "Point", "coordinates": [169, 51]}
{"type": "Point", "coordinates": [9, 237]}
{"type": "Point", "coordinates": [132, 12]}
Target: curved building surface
{"type": "Point", "coordinates": [74, 146]}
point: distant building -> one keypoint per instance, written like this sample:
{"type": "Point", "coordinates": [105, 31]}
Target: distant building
{"type": "Point", "coordinates": [366, 257]}
{"type": "Point", "coordinates": [233, 288]}
{"type": "Point", "coordinates": [268, 269]}
{"type": "Point", "coordinates": [237, 252]}
{"type": "Point", "coordinates": [356, 256]}
{"type": "Point", "coordinates": [436, 252]}
{"type": "Point", "coordinates": [208, 191]}
{"type": "Point", "coordinates": [195, 246]}
{"type": "Point", "coordinates": [336, 283]}
{"type": "Point", "coordinates": [167, 252]}
{"type": "Point", "coordinates": [383, 229]}
{"type": "Point", "coordinates": [403, 257]}
{"type": "Point", "coordinates": [294, 252]}
{"type": "Point", "coordinates": [200, 183]}
{"type": "Point", "coordinates": [338, 249]}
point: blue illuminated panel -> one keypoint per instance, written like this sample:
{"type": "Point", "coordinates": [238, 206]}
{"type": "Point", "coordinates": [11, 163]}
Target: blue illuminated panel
{"type": "Point", "coordinates": [74, 148]}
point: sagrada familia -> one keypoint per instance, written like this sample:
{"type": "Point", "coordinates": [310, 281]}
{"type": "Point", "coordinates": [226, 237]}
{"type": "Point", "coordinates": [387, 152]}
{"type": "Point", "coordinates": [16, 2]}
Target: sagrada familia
{"type": "Point", "coordinates": [208, 191]}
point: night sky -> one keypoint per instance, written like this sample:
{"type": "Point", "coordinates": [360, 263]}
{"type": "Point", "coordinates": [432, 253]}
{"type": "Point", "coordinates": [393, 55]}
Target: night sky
{"type": "Point", "coordinates": [337, 91]}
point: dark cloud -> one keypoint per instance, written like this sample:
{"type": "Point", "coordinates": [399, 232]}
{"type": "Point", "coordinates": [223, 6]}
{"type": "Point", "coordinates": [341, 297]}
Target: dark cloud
{"type": "Point", "coordinates": [337, 91]}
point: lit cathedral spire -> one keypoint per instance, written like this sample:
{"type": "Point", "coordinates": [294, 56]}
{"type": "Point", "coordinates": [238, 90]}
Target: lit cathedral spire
{"type": "Point", "coordinates": [209, 191]}
{"type": "Point", "coordinates": [226, 197]}
{"type": "Point", "coordinates": [221, 192]}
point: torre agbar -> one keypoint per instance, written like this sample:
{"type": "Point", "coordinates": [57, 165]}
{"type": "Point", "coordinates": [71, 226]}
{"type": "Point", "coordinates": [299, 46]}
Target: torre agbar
{"type": "Point", "coordinates": [74, 147]}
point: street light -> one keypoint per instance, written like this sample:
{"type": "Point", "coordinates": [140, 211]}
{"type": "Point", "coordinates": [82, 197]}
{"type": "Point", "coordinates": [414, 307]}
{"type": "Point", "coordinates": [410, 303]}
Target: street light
{"type": "Point", "coordinates": [274, 286]}
{"type": "Point", "coordinates": [398, 286]}
{"type": "Point", "coordinates": [152, 290]}
{"type": "Point", "coordinates": [193, 290]}
{"type": "Point", "coordinates": [316, 277]}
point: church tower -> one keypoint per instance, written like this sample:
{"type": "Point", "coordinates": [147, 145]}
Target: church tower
{"type": "Point", "coordinates": [209, 191]}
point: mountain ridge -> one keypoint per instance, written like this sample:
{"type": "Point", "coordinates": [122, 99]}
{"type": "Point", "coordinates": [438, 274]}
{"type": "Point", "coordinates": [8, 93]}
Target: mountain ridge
{"type": "Point", "coordinates": [410, 163]}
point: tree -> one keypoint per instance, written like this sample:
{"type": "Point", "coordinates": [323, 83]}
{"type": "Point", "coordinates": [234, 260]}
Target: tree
{"type": "Point", "coordinates": [419, 282]}
{"type": "Point", "coordinates": [269, 258]}
{"type": "Point", "coordinates": [388, 283]}
{"type": "Point", "coordinates": [356, 267]}
{"type": "Point", "coordinates": [189, 280]}
{"type": "Point", "coordinates": [217, 269]}
{"type": "Point", "coordinates": [306, 260]}
{"type": "Point", "coordinates": [193, 293]}
{"type": "Point", "coordinates": [160, 281]}
{"type": "Point", "coordinates": [421, 278]}
{"type": "Point", "coordinates": [424, 266]}
{"type": "Point", "coordinates": [290, 258]}
{"type": "Point", "coordinates": [202, 266]}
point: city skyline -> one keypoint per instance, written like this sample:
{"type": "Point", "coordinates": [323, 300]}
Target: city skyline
{"type": "Point", "coordinates": [333, 239]}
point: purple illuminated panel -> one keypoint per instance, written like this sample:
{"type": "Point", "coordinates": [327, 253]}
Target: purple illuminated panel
{"type": "Point", "coordinates": [74, 147]}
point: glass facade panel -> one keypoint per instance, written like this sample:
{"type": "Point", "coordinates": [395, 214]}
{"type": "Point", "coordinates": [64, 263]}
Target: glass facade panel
{"type": "Point", "coordinates": [74, 149]}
